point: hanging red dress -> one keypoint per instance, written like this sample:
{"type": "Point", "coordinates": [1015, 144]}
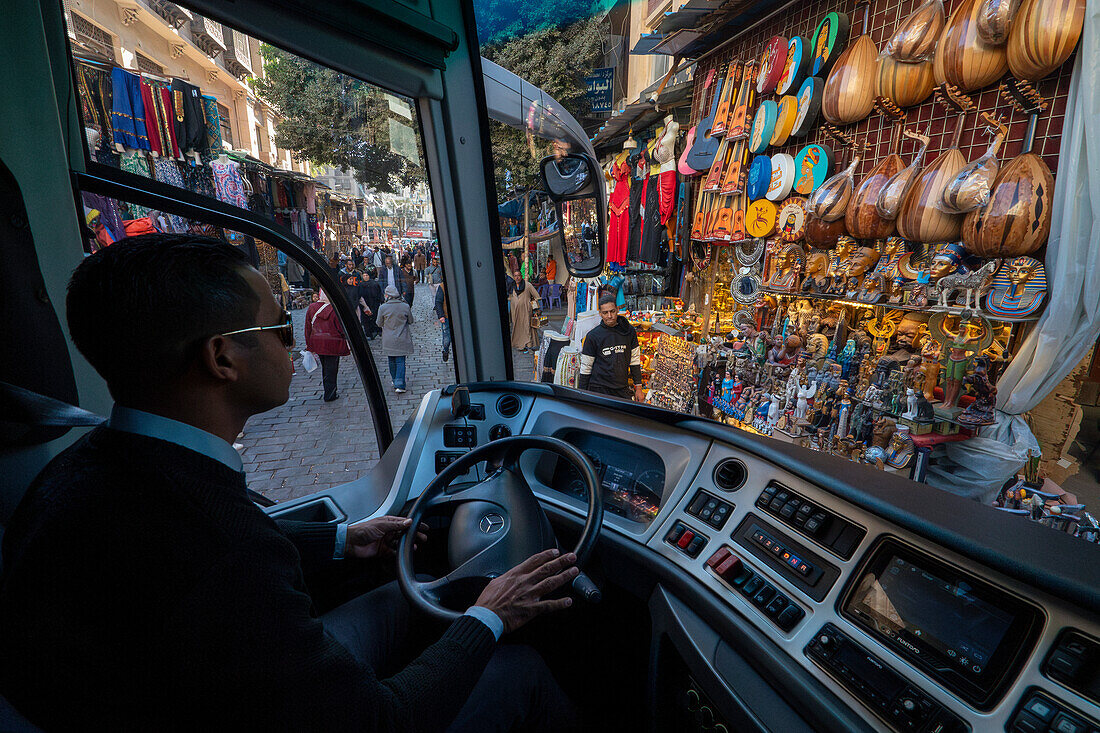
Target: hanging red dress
{"type": "Point", "coordinates": [619, 214]}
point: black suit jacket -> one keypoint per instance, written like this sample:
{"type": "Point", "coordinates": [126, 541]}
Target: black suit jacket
{"type": "Point", "coordinates": [142, 590]}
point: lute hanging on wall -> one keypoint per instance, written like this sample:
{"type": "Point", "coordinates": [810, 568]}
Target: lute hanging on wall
{"type": "Point", "coordinates": [890, 198]}
{"type": "Point", "coordinates": [1016, 220]}
{"type": "Point", "coordinates": [850, 89]}
{"type": "Point", "coordinates": [971, 186]}
{"type": "Point", "coordinates": [862, 218]}
{"type": "Point", "coordinates": [1044, 34]}
{"type": "Point", "coordinates": [963, 59]}
{"type": "Point", "coordinates": [921, 218]}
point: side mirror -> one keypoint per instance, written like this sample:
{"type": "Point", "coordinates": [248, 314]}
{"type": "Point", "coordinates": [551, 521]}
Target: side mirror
{"type": "Point", "coordinates": [572, 182]}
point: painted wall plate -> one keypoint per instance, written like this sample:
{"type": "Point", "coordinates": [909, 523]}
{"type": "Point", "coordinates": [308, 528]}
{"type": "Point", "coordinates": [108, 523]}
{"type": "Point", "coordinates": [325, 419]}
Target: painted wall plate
{"type": "Point", "coordinates": [812, 166]}
{"type": "Point", "coordinates": [763, 124]}
{"type": "Point", "coordinates": [760, 218]}
{"type": "Point", "coordinates": [772, 62]}
{"type": "Point", "coordinates": [760, 174]}
{"type": "Point", "coordinates": [784, 122]}
{"type": "Point", "coordinates": [794, 70]}
{"type": "Point", "coordinates": [791, 220]}
{"type": "Point", "coordinates": [782, 178]}
{"type": "Point", "coordinates": [809, 106]}
{"type": "Point", "coordinates": [829, 39]}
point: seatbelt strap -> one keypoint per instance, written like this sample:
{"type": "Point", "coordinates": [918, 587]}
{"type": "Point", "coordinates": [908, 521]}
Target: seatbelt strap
{"type": "Point", "coordinates": [24, 407]}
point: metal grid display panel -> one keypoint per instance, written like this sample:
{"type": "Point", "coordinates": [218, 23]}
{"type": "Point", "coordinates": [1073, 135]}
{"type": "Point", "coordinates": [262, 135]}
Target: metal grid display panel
{"type": "Point", "coordinates": [929, 117]}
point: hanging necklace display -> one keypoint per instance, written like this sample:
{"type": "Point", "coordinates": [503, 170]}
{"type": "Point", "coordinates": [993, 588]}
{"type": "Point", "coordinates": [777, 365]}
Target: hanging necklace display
{"type": "Point", "coordinates": [745, 286]}
{"type": "Point", "coordinates": [749, 252]}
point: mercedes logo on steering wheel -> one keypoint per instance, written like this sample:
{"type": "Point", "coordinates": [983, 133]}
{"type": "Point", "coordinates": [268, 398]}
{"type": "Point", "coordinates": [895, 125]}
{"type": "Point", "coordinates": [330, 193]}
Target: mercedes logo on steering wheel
{"type": "Point", "coordinates": [491, 523]}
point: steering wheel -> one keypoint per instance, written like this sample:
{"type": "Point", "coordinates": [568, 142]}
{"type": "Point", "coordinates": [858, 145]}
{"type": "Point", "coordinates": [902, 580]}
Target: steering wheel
{"type": "Point", "coordinates": [497, 522]}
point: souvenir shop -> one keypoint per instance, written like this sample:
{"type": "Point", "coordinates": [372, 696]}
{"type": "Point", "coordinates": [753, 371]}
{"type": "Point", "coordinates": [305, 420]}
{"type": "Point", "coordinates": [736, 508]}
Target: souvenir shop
{"type": "Point", "coordinates": [866, 196]}
{"type": "Point", "coordinates": [168, 130]}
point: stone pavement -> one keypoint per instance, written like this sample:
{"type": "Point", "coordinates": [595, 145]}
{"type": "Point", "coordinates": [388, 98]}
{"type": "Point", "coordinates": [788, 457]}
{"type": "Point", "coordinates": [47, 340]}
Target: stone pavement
{"type": "Point", "coordinates": [308, 445]}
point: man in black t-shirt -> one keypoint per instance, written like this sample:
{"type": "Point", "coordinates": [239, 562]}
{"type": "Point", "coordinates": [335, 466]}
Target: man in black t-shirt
{"type": "Point", "coordinates": [611, 354]}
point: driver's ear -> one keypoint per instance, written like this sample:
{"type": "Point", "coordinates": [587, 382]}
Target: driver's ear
{"type": "Point", "coordinates": [221, 358]}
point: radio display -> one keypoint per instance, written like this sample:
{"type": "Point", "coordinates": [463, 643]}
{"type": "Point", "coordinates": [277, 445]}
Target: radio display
{"type": "Point", "coordinates": [954, 626]}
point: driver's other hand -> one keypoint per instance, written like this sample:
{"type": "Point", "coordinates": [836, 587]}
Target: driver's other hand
{"type": "Point", "coordinates": [378, 537]}
{"type": "Point", "coordinates": [516, 596]}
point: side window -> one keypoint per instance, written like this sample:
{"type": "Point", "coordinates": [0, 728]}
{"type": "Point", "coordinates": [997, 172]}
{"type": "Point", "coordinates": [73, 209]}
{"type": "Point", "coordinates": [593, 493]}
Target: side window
{"type": "Point", "coordinates": [334, 161]}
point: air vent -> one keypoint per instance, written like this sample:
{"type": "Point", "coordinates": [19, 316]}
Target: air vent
{"type": "Point", "coordinates": [499, 431]}
{"type": "Point", "coordinates": [508, 405]}
{"type": "Point", "coordinates": [730, 475]}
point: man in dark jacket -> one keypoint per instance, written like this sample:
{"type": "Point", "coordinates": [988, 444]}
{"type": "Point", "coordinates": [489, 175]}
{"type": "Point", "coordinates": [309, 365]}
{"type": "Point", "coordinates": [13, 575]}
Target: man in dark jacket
{"type": "Point", "coordinates": [444, 322]}
{"type": "Point", "coordinates": [370, 292]}
{"type": "Point", "coordinates": [143, 590]}
{"type": "Point", "coordinates": [611, 354]}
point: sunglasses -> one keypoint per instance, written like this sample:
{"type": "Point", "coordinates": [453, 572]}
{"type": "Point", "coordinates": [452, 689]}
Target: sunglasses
{"type": "Point", "coordinates": [285, 330]}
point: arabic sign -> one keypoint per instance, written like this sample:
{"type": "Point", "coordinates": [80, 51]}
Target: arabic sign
{"type": "Point", "coordinates": [599, 93]}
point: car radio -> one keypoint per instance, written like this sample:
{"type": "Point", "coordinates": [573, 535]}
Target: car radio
{"type": "Point", "coordinates": [960, 630]}
{"type": "Point", "coordinates": [879, 687]}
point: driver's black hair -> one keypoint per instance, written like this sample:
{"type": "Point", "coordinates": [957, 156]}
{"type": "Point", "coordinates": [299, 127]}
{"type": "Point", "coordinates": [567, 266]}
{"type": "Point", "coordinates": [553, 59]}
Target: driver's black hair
{"type": "Point", "coordinates": [137, 308]}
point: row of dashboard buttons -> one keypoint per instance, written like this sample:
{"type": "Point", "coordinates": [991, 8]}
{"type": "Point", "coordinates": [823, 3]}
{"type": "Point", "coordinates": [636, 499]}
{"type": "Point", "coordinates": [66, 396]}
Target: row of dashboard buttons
{"type": "Point", "coordinates": [710, 509]}
{"type": "Point", "coordinates": [762, 594]}
{"type": "Point", "coordinates": [686, 539]}
{"type": "Point", "coordinates": [1041, 714]}
{"type": "Point", "coordinates": [838, 535]}
{"type": "Point", "coordinates": [777, 548]}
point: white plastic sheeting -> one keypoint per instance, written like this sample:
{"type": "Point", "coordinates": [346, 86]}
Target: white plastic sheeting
{"type": "Point", "coordinates": [978, 467]}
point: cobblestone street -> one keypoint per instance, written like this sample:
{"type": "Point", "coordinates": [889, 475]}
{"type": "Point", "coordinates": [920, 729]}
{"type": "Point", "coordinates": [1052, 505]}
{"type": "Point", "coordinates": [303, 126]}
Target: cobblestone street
{"type": "Point", "coordinates": [308, 445]}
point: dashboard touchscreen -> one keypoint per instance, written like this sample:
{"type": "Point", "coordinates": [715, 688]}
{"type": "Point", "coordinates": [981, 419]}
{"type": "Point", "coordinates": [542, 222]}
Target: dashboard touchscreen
{"type": "Point", "coordinates": [957, 627]}
{"type": "Point", "coordinates": [632, 477]}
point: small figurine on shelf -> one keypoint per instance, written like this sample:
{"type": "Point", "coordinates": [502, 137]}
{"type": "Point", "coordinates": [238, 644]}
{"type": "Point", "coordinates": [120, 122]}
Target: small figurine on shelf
{"type": "Point", "coordinates": [806, 393]}
{"type": "Point", "coordinates": [787, 269]}
{"type": "Point", "coordinates": [973, 336]}
{"type": "Point", "coordinates": [925, 412]}
{"type": "Point", "coordinates": [980, 411]}
{"type": "Point", "coordinates": [859, 264]}
{"type": "Point", "coordinates": [930, 367]}
{"type": "Point", "coordinates": [773, 413]}
{"type": "Point", "coordinates": [843, 410]}
{"type": "Point", "coordinates": [918, 289]}
{"type": "Point", "coordinates": [901, 449]}
{"type": "Point", "coordinates": [847, 358]}
{"type": "Point", "coordinates": [838, 263]}
{"type": "Point", "coordinates": [727, 388]}
{"type": "Point", "coordinates": [787, 353]}
{"type": "Point", "coordinates": [910, 404]}
{"type": "Point", "coordinates": [886, 273]}
{"type": "Point", "coordinates": [817, 273]}
{"type": "Point", "coordinates": [973, 283]}
{"type": "Point", "coordinates": [793, 381]}
{"type": "Point", "coordinates": [1018, 289]}
{"type": "Point", "coordinates": [883, 431]}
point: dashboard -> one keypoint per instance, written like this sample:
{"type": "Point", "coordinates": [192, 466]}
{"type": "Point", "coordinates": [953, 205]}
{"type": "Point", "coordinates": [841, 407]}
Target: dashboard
{"type": "Point", "coordinates": [904, 627]}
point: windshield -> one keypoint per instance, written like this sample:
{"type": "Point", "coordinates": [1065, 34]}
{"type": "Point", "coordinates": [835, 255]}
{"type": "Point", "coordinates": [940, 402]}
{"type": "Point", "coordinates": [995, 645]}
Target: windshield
{"type": "Point", "coordinates": [760, 271]}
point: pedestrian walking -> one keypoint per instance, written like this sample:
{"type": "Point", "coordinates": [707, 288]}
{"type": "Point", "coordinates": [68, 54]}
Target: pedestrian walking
{"type": "Point", "coordinates": [420, 262]}
{"type": "Point", "coordinates": [443, 314]}
{"type": "Point", "coordinates": [389, 274]}
{"type": "Point", "coordinates": [408, 279]}
{"type": "Point", "coordinates": [525, 334]}
{"type": "Point", "coordinates": [395, 317]}
{"type": "Point", "coordinates": [370, 292]}
{"type": "Point", "coordinates": [434, 275]}
{"type": "Point", "coordinates": [325, 338]}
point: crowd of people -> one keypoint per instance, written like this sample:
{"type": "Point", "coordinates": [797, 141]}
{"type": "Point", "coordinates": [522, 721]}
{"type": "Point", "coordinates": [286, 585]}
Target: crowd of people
{"type": "Point", "coordinates": [379, 285]}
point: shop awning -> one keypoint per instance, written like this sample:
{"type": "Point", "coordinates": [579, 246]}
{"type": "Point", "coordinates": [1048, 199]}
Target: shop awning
{"type": "Point", "coordinates": [647, 43]}
{"type": "Point", "coordinates": [640, 115]}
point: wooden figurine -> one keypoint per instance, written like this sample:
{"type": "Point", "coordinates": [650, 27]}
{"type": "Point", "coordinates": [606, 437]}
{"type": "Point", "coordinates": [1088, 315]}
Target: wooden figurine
{"type": "Point", "coordinates": [980, 411]}
{"type": "Point", "coordinates": [860, 263]}
{"type": "Point", "coordinates": [817, 273]}
{"type": "Point", "coordinates": [930, 367]}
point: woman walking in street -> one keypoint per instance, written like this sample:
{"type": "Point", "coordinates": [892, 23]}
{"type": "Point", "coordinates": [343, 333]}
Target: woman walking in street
{"type": "Point", "coordinates": [325, 338]}
{"type": "Point", "coordinates": [524, 331]}
{"type": "Point", "coordinates": [395, 317]}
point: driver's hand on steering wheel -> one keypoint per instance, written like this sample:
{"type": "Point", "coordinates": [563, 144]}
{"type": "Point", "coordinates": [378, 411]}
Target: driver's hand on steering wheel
{"type": "Point", "coordinates": [516, 596]}
{"type": "Point", "coordinates": [378, 537]}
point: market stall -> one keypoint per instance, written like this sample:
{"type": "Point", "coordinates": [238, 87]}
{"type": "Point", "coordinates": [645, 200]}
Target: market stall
{"type": "Point", "coordinates": [860, 208]}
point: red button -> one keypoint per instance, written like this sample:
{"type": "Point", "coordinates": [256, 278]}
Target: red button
{"type": "Point", "coordinates": [717, 558]}
{"type": "Point", "coordinates": [729, 569]}
{"type": "Point", "coordinates": [685, 539]}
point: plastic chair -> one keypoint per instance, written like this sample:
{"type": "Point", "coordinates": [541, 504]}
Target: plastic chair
{"type": "Point", "coordinates": [544, 295]}
{"type": "Point", "coordinates": [555, 295]}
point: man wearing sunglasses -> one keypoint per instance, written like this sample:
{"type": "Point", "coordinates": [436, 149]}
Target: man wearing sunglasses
{"type": "Point", "coordinates": [143, 590]}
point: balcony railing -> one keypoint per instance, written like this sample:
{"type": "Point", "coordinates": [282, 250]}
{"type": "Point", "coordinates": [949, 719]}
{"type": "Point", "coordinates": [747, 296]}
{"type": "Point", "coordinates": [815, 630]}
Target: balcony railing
{"type": "Point", "coordinates": [207, 35]}
{"type": "Point", "coordinates": [237, 58]}
{"type": "Point", "coordinates": [171, 12]}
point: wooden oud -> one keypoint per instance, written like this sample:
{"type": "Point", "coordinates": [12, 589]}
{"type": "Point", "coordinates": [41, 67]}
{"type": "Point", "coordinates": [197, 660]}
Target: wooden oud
{"type": "Point", "coordinates": [963, 59]}
{"type": "Point", "coordinates": [1044, 34]}
{"type": "Point", "coordinates": [852, 84]}
{"type": "Point", "coordinates": [861, 217]}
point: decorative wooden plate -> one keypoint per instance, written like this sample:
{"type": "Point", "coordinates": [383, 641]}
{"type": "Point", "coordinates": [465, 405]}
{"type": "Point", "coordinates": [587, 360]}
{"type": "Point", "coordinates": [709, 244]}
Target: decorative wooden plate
{"type": "Point", "coordinates": [763, 125]}
{"type": "Point", "coordinates": [784, 123]}
{"type": "Point", "coordinates": [812, 166]}
{"type": "Point", "coordinates": [829, 39]}
{"type": "Point", "coordinates": [809, 106]}
{"type": "Point", "coordinates": [782, 178]}
{"type": "Point", "coordinates": [771, 65]}
{"type": "Point", "coordinates": [794, 70]}
{"type": "Point", "coordinates": [760, 218]}
{"type": "Point", "coordinates": [791, 221]}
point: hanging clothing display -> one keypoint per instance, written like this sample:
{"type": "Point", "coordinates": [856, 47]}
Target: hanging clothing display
{"type": "Point", "coordinates": [190, 116]}
{"type": "Point", "coordinates": [668, 194]}
{"type": "Point", "coordinates": [619, 213]}
{"type": "Point", "coordinates": [95, 101]}
{"type": "Point", "coordinates": [213, 122]}
{"type": "Point", "coordinates": [228, 184]}
{"type": "Point", "coordinates": [152, 126]}
{"type": "Point", "coordinates": [638, 170]}
{"type": "Point", "coordinates": [651, 225]}
{"type": "Point", "coordinates": [127, 110]}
